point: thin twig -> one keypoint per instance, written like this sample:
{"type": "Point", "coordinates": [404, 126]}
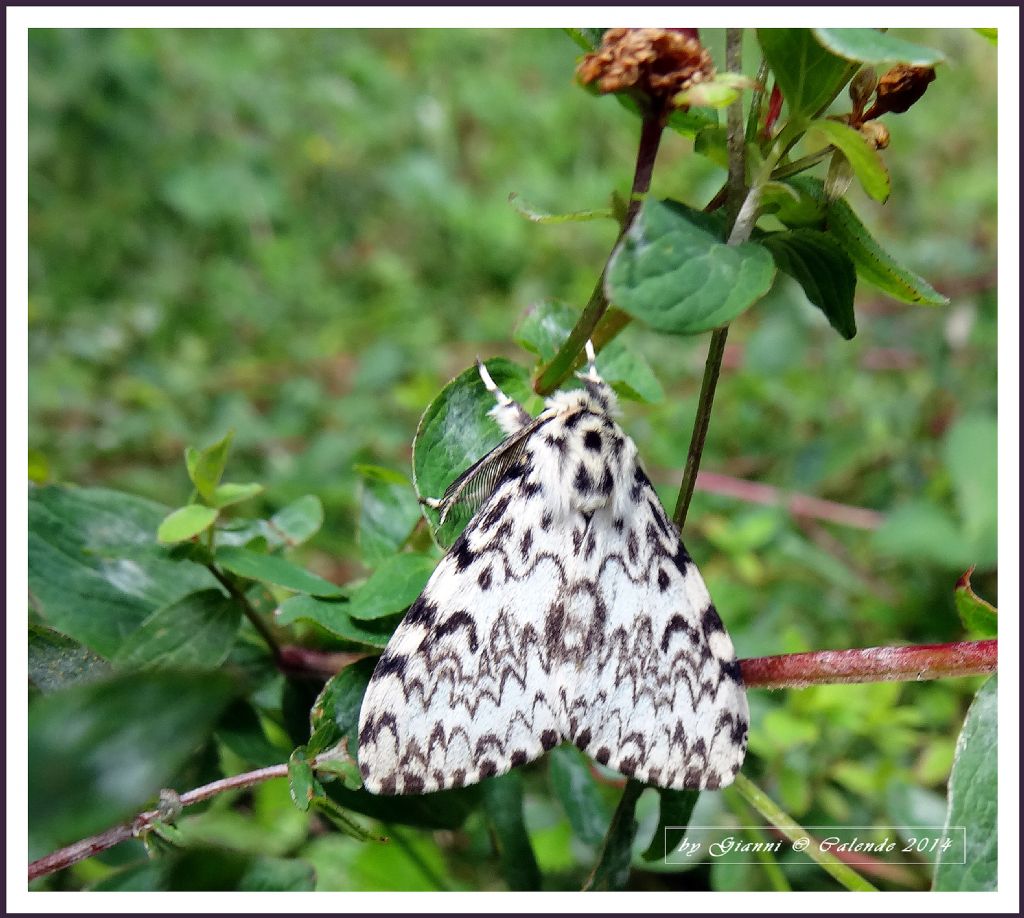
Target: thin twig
{"type": "Point", "coordinates": [561, 365]}
{"type": "Point", "coordinates": [797, 504]}
{"type": "Point", "coordinates": [742, 208]}
{"type": "Point", "coordinates": [249, 612]}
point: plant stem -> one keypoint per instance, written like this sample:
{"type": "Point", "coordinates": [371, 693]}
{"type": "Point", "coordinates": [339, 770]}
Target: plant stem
{"type": "Point", "coordinates": [561, 365]}
{"type": "Point", "coordinates": [871, 664]}
{"type": "Point", "coordinates": [712, 368]}
{"type": "Point", "coordinates": [782, 821]}
{"type": "Point", "coordinates": [742, 208]}
{"type": "Point", "coordinates": [249, 612]}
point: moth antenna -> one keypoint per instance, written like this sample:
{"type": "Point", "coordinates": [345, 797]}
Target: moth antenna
{"type": "Point", "coordinates": [591, 362]}
{"type": "Point", "coordinates": [500, 397]}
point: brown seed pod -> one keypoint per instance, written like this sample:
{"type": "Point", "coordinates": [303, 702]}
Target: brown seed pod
{"type": "Point", "coordinates": [900, 88]}
{"type": "Point", "coordinates": [656, 62]}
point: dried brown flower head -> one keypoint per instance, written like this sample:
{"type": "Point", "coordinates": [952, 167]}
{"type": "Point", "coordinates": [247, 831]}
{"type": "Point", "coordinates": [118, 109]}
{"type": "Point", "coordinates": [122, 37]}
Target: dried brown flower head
{"type": "Point", "coordinates": [657, 62]}
{"type": "Point", "coordinates": [900, 88]}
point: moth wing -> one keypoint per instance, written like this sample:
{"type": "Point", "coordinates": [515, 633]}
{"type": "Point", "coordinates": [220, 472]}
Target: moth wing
{"type": "Point", "coordinates": [464, 689]}
{"type": "Point", "coordinates": [658, 696]}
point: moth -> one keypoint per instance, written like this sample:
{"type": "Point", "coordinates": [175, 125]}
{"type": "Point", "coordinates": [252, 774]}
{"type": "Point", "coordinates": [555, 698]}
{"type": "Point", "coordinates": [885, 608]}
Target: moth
{"type": "Point", "coordinates": [567, 610]}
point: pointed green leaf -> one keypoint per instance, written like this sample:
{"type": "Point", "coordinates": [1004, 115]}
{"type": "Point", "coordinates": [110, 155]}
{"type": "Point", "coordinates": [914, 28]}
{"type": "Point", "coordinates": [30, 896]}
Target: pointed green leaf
{"type": "Point", "coordinates": [977, 615]}
{"type": "Point", "coordinates": [206, 466]}
{"type": "Point", "coordinates": [864, 159]}
{"type": "Point", "coordinates": [226, 494]}
{"type": "Point", "coordinates": [302, 783]}
{"type": "Point", "coordinates": [670, 272]}
{"type": "Point", "coordinates": [818, 263]}
{"type": "Point", "coordinates": [392, 587]}
{"type": "Point", "coordinates": [299, 521]}
{"type": "Point", "coordinates": [335, 618]}
{"type": "Point", "coordinates": [276, 570]}
{"type": "Point", "coordinates": [186, 523]}
{"type": "Point", "coordinates": [612, 869]}
{"type": "Point", "coordinates": [808, 74]}
{"type": "Point", "coordinates": [535, 215]}
{"type": "Point", "coordinates": [869, 46]}
{"type": "Point", "coordinates": [873, 263]}
{"type": "Point", "coordinates": [196, 631]}
{"type": "Point", "coordinates": [973, 803]}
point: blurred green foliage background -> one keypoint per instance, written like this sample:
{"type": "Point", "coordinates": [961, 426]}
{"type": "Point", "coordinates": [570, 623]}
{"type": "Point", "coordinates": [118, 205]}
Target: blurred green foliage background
{"type": "Point", "coordinates": [302, 235]}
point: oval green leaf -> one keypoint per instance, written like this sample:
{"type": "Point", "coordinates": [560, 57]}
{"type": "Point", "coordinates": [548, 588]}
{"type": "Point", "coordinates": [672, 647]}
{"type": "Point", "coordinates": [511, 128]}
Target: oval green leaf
{"type": "Point", "coordinates": [196, 631]}
{"type": "Point", "coordinates": [455, 431]}
{"type": "Point", "coordinates": [185, 523]}
{"type": "Point", "coordinates": [864, 159]}
{"type": "Point", "coordinates": [972, 801]}
{"type": "Point", "coordinates": [226, 494]}
{"type": "Point", "coordinates": [672, 273]}
{"type": "Point", "coordinates": [869, 46]}
{"type": "Point", "coordinates": [393, 587]}
{"type": "Point", "coordinates": [276, 570]}
{"type": "Point", "coordinates": [388, 511]}
{"type": "Point", "coordinates": [56, 661]}
{"type": "Point", "coordinates": [298, 521]}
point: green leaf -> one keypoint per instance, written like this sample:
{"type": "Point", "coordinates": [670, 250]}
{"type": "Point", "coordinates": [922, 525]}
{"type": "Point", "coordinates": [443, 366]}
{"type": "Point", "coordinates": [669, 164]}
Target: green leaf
{"type": "Point", "coordinates": [186, 523]}
{"type": "Point", "coordinates": [711, 142]}
{"type": "Point", "coordinates": [672, 273]}
{"type": "Point", "coordinates": [865, 160]}
{"type": "Point", "coordinates": [277, 874]}
{"type": "Point", "coordinates": [676, 810]}
{"type": "Point", "coordinates": [99, 752]}
{"type": "Point", "coordinates": [972, 801]}
{"type": "Point", "coordinates": [455, 431]}
{"type": "Point", "coordinates": [335, 618]}
{"type": "Point", "coordinates": [978, 616]}
{"type": "Point", "coordinates": [206, 466]}
{"type": "Point", "coordinates": [819, 264]}
{"type": "Point", "coordinates": [869, 46]}
{"type": "Point", "coordinates": [577, 790]}
{"type": "Point", "coordinates": [95, 571]}
{"type": "Point", "coordinates": [991, 34]}
{"type": "Point", "coordinates": [276, 570]}
{"type": "Point", "coordinates": [302, 783]}
{"type": "Point", "coordinates": [808, 75]}
{"type": "Point", "coordinates": [612, 869]}
{"type": "Point", "coordinates": [392, 587]}
{"type": "Point", "coordinates": [798, 202]}
{"type": "Point", "coordinates": [388, 511]}
{"type": "Point", "coordinates": [338, 705]}
{"type": "Point", "coordinates": [196, 631]}
{"type": "Point", "coordinates": [226, 494]}
{"type": "Point", "coordinates": [587, 39]}
{"type": "Point", "coordinates": [56, 661]}
{"type": "Point", "coordinates": [299, 521]}
{"type": "Point", "coordinates": [544, 329]}
{"type": "Point", "coordinates": [503, 803]}
{"type": "Point", "coordinates": [873, 263]}
{"type": "Point", "coordinates": [970, 454]}
{"type": "Point", "coordinates": [441, 810]}
{"type": "Point", "coordinates": [534, 215]}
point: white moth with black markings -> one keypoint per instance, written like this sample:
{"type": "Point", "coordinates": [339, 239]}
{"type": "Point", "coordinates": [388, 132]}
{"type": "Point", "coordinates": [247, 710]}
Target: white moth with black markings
{"type": "Point", "coordinates": [567, 610]}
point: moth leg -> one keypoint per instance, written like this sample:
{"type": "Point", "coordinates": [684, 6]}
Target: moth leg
{"type": "Point", "coordinates": [591, 363]}
{"type": "Point", "coordinates": [510, 415]}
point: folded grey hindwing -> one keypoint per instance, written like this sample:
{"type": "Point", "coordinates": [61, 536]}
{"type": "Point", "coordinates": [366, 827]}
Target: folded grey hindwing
{"type": "Point", "coordinates": [568, 610]}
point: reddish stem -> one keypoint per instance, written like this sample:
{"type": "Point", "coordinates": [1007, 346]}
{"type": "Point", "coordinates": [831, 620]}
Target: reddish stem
{"type": "Point", "coordinates": [871, 664]}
